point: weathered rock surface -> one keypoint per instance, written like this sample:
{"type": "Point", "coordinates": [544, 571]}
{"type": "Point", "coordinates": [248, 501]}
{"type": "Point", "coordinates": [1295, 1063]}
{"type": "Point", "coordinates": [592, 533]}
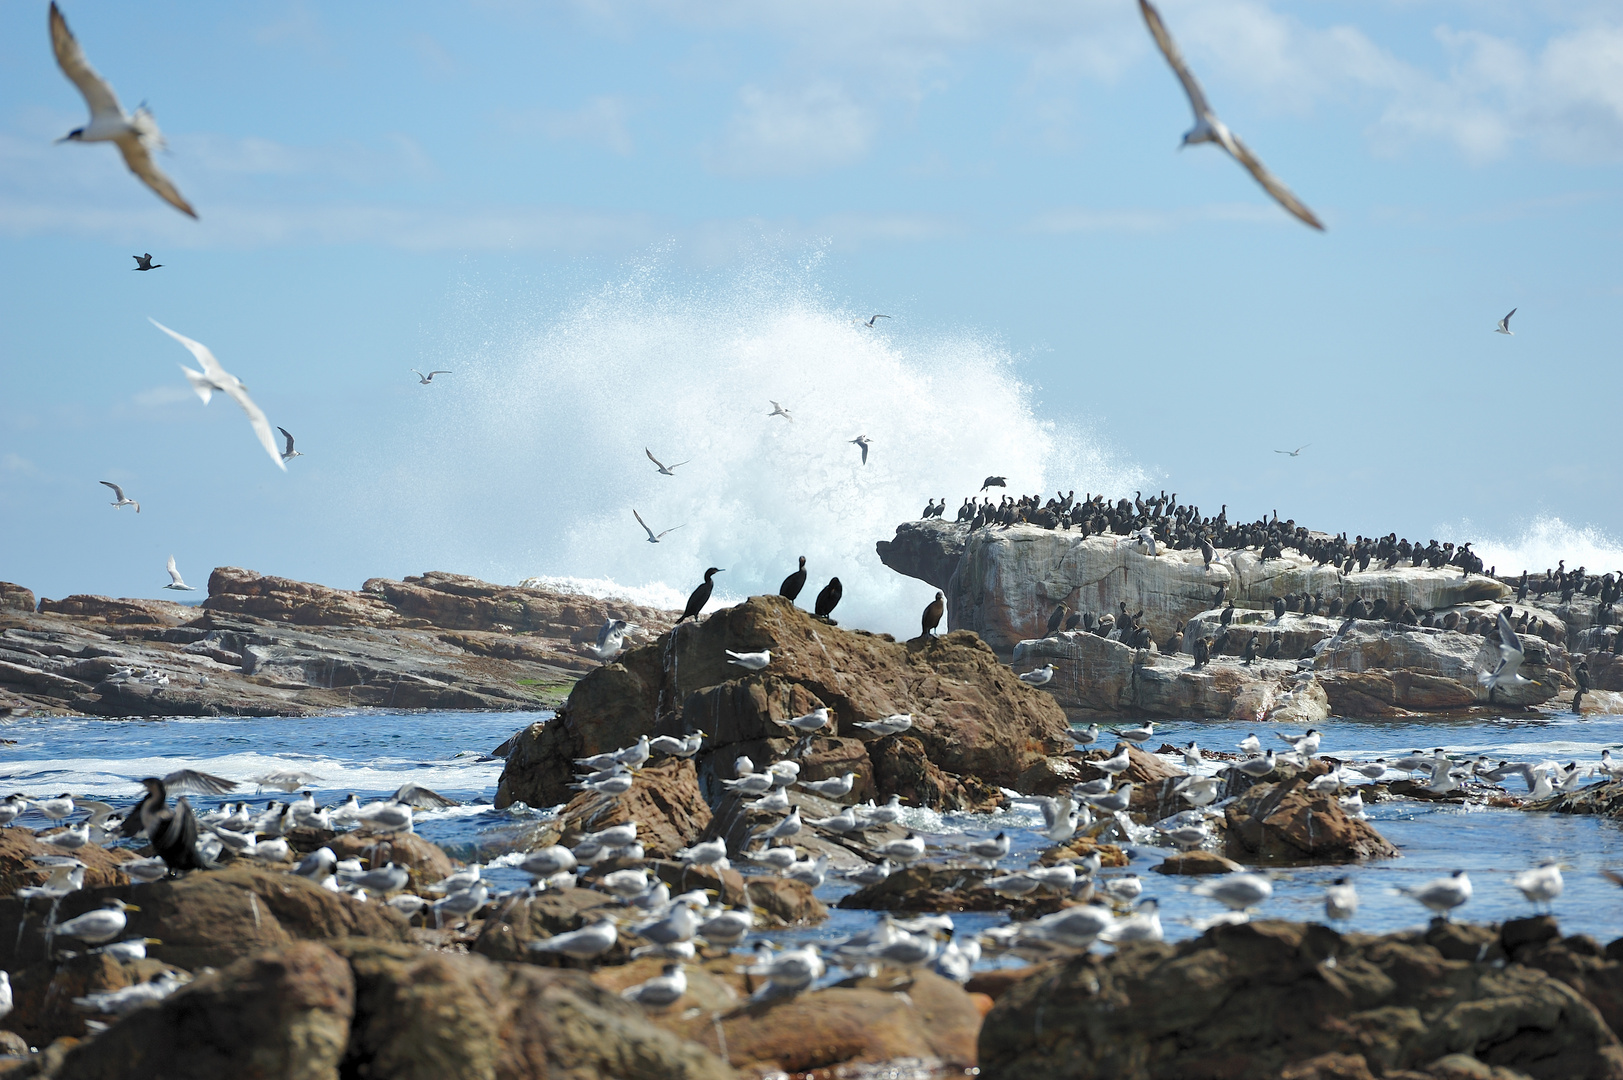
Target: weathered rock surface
{"type": "Point", "coordinates": [1256, 999]}
{"type": "Point", "coordinates": [941, 888]}
{"type": "Point", "coordinates": [18, 845]}
{"type": "Point", "coordinates": [210, 919]}
{"type": "Point", "coordinates": [282, 1015]}
{"type": "Point", "coordinates": [1286, 824]}
{"type": "Point", "coordinates": [1605, 799]}
{"type": "Point", "coordinates": [271, 646]}
{"type": "Point", "coordinates": [971, 716]}
{"type": "Point", "coordinates": [43, 992]}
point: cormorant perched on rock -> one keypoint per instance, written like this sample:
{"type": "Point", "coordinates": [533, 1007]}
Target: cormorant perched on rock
{"type": "Point", "coordinates": [1175, 642]}
{"type": "Point", "coordinates": [1057, 618]}
{"type": "Point", "coordinates": [1272, 651]}
{"type": "Point", "coordinates": [995, 481]}
{"type": "Point", "coordinates": [1227, 616]}
{"type": "Point", "coordinates": [1279, 608]}
{"type": "Point", "coordinates": [1207, 552]}
{"type": "Point", "coordinates": [1203, 651]}
{"type": "Point", "coordinates": [932, 614]}
{"type": "Point", "coordinates": [1358, 609]}
{"type": "Point", "coordinates": [794, 582]}
{"type": "Point", "coordinates": [700, 596]}
{"type": "Point", "coordinates": [1335, 607]}
{"type": "Point", "coordinates": [1250, 648]}
{"type": "Point", "coordinates": [172, 830]}
{"type": "Point", "coordinates": [829, 598]}
{"type": "Point", "coordinates": [1580, 673]}
{"type": "Point", "coordinates": [1377, 610]}
{"type": "Point", "coordinates": [1074, 621]}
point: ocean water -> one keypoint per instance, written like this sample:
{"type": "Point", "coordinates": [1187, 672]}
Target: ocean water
{"type": "Point", "coordinates": [372, 754]}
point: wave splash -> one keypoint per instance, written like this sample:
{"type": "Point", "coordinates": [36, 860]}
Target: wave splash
{"type": "Point", "coordinates": [1543, 543]}
{"type": "Point", "coordinates": [542, 448]}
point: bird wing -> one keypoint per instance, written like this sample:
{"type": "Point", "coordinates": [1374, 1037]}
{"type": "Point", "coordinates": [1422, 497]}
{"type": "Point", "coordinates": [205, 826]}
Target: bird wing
{"type": "Point", "coordinates": [1169, 49]}
{"type": "Point", "coordinates": [71, 59]}
{"type": "Point", "coordinates": [644, 524]}
{"type": "Point", "coordinates": [673, 529]}
{"type": "Point", "coordinates": [256, 420]}
{"type": "Point", "coordinates": [1508, 638]}
{"type": "Point", "coordinates": [421, 797]}
{"type": "Point", "coordinates": [117, 491]}
{"type": "Point", "coordinates": [431, 374]}
{"type": "Point", "coordinates": [651, 456]}
{"type": "Point", "coordinates": [174, 575]}
{"type": "Point", "coordinates": [182, 781]}
{"type": "Point", "coordinates": [138, 156]}
{"type": "Point", "coordinates": [289, 449]}
{"type": "Point", "coordinates": [1505, 322]}
{"type": "Point", "coordinates": [211, 367]}
{"type": "Point", "coordinates": [1270, 183]}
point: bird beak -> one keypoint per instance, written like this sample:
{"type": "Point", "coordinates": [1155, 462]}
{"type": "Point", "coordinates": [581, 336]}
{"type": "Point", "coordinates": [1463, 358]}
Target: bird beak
{"type": "Point", "coordinates": [152, 941]}
{"type": "Point", "coordinates": [131, 907]}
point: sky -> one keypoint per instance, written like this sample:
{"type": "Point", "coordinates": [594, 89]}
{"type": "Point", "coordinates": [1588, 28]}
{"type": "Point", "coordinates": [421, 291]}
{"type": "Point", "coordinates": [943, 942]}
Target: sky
{"type": "Point", "coordinates": [720, 189]}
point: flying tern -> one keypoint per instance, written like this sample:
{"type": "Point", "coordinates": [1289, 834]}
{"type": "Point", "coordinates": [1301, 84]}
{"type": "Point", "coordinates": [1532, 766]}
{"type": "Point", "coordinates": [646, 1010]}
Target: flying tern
{"type": "Point", "coordinates": [664, 470]}
{"type": "Point", "coordinates": [864, 442]}
{"type": "Point", "coordinates": [118, 493]}
{"type": "Point", "coordinates": [135, 136]}
{"type": "Point", "coordinates": [214, 377]}
{"type": "Point", "coordinates": [426, 379]}
{"type": "Point", "coordinates": [1504, 325]}
{"type": "Point", "coordinates": [779, 410]}
{"type": "Point", "coordinates": [653, 537]}
{"type": "Point", "coordinates": [289, 452]}
{"type": "Point", "coordinates": [1208, 128]}
{"type": "Point", "coordinates": [1294, 453]}
{"type": "Point", "coordinates": [175, 580]}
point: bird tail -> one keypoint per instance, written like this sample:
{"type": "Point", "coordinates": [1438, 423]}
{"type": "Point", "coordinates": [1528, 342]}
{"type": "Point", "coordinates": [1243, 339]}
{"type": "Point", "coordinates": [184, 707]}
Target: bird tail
{"type": "Point", "coordinates": [200, 383]}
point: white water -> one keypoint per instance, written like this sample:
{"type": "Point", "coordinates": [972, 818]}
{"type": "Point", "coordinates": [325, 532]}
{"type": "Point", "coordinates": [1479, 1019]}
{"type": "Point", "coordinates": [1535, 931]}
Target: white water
{"type": "Point", "coordinates": [1541, 544]}
{"type": "Point", "coordinates": [541, 447]}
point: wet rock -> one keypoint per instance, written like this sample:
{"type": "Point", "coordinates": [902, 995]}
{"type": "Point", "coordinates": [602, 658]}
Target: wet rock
{"type": "Point", "coordinates": [946, 889]}
{"type": "Point", "coordinates": [902, 765]}
{"type": "Point", "coordinates": [1605, 799]}
{"type": "Point", "coordinates": [1251, 1000]}
{"type": "Point", "coordinates": [1197, 862]}
{"type": "Point", "coordinates": [1286, 824]}
{"type": "Point", "coordinates": [427, 861]}
{"type": "Point", "coordinates": [18, 845]}
{"type": "Point", "coordinates": [1577, 961]}
{"type": "Point", "coordinates": [211, 918]}
{"type": "Point", "coordinates": [279, 1014]}
{"type": "Point", "coordinates": [784, 902]}
{"type": "Point", "coordinates": [972, 716]}
{"type": "Point", "coordinates": [428, 1016]}
{"type": "Point", "coordinates": [508, 932]}
{"type": "Point", "coordinates": [1152, 776]}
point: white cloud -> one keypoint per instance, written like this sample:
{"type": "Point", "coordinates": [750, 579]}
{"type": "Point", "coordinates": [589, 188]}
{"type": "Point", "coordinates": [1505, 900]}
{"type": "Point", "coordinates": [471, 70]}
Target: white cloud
{"type": "Point", "coordinates": [159, 396]}
{"type": "Point", "coordinates": [780, 133]}
{"type": "Point", "coordinates": [16, 463]}
{"type": "Point", "coordinates": [599, 122]}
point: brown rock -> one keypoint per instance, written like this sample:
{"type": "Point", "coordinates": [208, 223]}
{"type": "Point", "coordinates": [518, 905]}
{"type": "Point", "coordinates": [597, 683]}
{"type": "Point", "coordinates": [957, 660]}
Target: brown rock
{"type": "Point", "coordinates": [15, 597]}
{"type": "Point", "coordinates": [1246, 1002]}
{"type": "Point", "coordinates": [1285, 823]}
{"type": "Point", "coordinates": [784, 902]}
{"type": "Point", "coordinates": [1153, 779]}
{"type": "Point", "coordinates": [18, 845]}
{"type": "Point", "coordinates": [937, 888]}
{"type": "Point", "coordinates": [278, 1015]}
{"type": "Point", "coordinates": [664, 802]}
{"type": "Point", "coordinates": [1197, 862]}
{"type": "Point", "coordinates": [211, 918]}
{"type": "Point", "coordinates": [122, 611]}
{"type": "Point", "coordinates": [43, 992]}
{"type": "Point", "coordinates": [507, 934]}
{"type": "Point", "coordinates": [427, 861]}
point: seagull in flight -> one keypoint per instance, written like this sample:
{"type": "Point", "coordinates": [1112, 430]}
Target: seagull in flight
{"type": "Point", "coordinates": [175, 581]}
{"type": "Point", "coordinates": [136, 136]}
{"type": "Point", "coordinates": [870, 321]}
{"type": "Point", "coordinates": [144, 262]}
{"type": "Point", "coordinates": [1504, 325]}
{"type": "Point", "coordinates": [664, 470]}
{"type": "Point", "coordinates": [779, 410]}
{"type": "Point", "coordinates": [864, 442]}
{"type": "Point", "coordinates": [653, 537]}
{"type": "Point", "coordinates": [1208, 128]}
{"type": "Point", "coordinates": [426, 379]}
{"type": "Point", "coordinates": [214, 377]}
{"type": "Point", "coordinates": [118, 493]}
{"type": "Point", "coordinates": [1294, 453]}
{"type": "Point", "coordinates": [289, 452]}
{"type": "Point", "coordinates": [1508, 670]}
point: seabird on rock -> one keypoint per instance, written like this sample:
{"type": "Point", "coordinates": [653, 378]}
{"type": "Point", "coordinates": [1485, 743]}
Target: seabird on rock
{"type": "Point", "coordinates": [1441, 895]}
{"type": "Point", "coordinates": [118, 493]}
{"type": "Point", "coordinates": [794, 582]}
{"type": "Point", "coordinates": [835, 787]}
{"type": "Point", "coordinates": [95, 927]}
{"type": "Point", "coordinates": [750, 661]}
{"type": "Point", "coordinates": [175, 580]}
{"type": "Point", "coordinates": [426, 379]}
{"type": "Point", "coordinates": [662, 990]}
{"type": "Point", "coordinates": [1237, 892]}
{"type": "Point", "coordinates": [135, 136]}
{"type": "Point", "coordinates": [653, 537]}
{"type": "Point", "coordinates": [1340, 900]}
{"type": "Point", "coordinates": [816, 720]}
{"type": "Point", "coordinates": [172, 831]}
{"type": "Point", "coordinates": [1039, 677]}
{"type": "Point", "coordinates": [144, 262]}
{"type": "Point", "coordinates": [700, 596]}
{"type": "Point", "coordinates": [214, 377]}
{"type": "Point", "coordinates": [289, 452]}
{"type": "Point", "coordinates": [829, 598]}
{"type": "Point", "coordinates": [1208, 128]}
{"type": "Point", "coordinates": [864, 442]}
{"type": "Point", "coordinates": [779, 410]}
{"type": "Point", "coordinates": [932, 615]}
{"type": "Point", "coordinates": [587, 943]}
{"type": "Point", "coordinates": [1504, 324]}
{"type": "Point", "coordinates": [664, 470]}
{"type": "Point", "coordinates": [1542, 884]}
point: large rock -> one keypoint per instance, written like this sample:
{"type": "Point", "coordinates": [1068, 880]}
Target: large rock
{"type": "Point", "coordinates": [426, 860]}
{"type": "Point", "coordinates": [212, 918]}
{"type": "Point", "coordinates": [122, 611]}
{"type": "Point", "coordinates": [929, 549]}
{"type": "Point", "coordinates": [1424, 669]}
{"type": "Point", "coordinates": [1009, 579]}
{"type": "Point", "coordinates": [664, 802]}
{"type": "Point", "coordinates": [1287, 824]}
{"type": "Point", "coordinates": [18, 845]}
{"type": "Point", "coordinates": [279, 1015]}
{"type": "Point", "coordinates": [15, 598]}
{"type": "Point", "coordinates": [43, 992]}
{"type": "Point", "coordinates": [971, 716]}
{"type": "Point", "coordinates": [1255, 999]}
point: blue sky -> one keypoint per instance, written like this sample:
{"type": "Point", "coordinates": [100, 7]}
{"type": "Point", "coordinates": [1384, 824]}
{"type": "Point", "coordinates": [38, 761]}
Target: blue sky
{"type": "Point", "coordinates": [388, 186]}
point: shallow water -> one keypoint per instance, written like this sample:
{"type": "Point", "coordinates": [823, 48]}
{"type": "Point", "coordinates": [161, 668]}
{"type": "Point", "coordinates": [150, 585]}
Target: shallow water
{"type": "Point", "coordinates": [372, 754]}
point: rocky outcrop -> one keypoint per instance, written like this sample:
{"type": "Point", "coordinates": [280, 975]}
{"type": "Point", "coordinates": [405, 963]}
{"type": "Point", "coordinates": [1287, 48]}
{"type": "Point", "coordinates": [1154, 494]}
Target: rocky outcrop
{"type": "Point", "coordinates": [665, 802]}
{"type": "Point", "coordinates": [16, 598]}
{"type": "Point", "coordinates": [1257, 999]}
{"type": "Point", "coordinates": [210, 919]}
{"type": "Point", "coordinates": [1287, 824]}
{"type": "Point", "coordinates": [362, 1008]}
{"type": "Point", "coordinates": [18, 845]}
{"type": "Point", "coordinates": [971, 716]}
{"type": "Point", "coordinates": [929, 550]}
{"type": "Point", "coordinates": [269, 646]}
{"type": "Point", "coordinates": [1605, 799]}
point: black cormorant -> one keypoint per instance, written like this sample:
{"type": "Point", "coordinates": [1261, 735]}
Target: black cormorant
{"type": "Point", "coordinates": [171, 829]}
{"type": "Point", "coordinates": [933, 613]}
{"type": "Point", "coordinates": [794, 582]}
{"type": "Point", "coordinates": [829, 598]}
{"type": "Point", "coordinates": [700, 596]}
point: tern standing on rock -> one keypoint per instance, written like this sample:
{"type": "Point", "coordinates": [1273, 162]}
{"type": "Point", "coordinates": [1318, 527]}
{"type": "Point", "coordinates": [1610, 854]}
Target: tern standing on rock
{"type": "Point", "coordinates": [1208, 128]}
{"type": "Point", "coordinates": [135, 136]}
{"type": "Point", "coordinates": [1040, 677]}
